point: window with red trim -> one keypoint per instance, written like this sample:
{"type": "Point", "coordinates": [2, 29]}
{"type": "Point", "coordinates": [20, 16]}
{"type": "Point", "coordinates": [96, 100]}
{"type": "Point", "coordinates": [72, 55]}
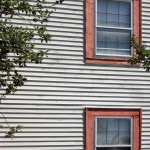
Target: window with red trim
{"type": "Point", "coordinates": [113, 129]}
{"type": "Point", "coordinates": [109, 26]}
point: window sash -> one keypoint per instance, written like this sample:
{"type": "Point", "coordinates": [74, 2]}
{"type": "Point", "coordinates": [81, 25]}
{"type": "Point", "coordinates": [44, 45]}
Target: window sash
{"type": "Point", "coordinates": [114, 145]}
{"type": "Point", "coordinates": [112, 41]}
{"type": "Point", "coordinates": [130, 29]}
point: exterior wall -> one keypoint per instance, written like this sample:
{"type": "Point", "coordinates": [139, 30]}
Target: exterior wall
{"type": "Point", "coordinates": [51, 104]}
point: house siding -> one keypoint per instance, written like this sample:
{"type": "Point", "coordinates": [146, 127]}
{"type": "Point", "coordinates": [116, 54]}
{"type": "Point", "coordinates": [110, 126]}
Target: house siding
{"type": "Point", "coordinates": [52, 102]}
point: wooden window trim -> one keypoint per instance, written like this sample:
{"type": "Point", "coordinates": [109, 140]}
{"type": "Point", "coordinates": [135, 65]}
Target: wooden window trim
{"type": "Point", "coordinates": [91, 113]}
{"type": "Point", "coordinates": [90, 34]}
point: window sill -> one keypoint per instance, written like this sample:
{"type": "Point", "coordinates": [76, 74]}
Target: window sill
{"type": "Point", "coordinates": [109, 60]}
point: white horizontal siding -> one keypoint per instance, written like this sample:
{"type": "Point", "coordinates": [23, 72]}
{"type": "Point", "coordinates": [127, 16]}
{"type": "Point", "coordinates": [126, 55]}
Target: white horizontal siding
{"type": "Point", "coordinates": [51, 104]}
{"type": "Point", "coordinates": [145, 22]}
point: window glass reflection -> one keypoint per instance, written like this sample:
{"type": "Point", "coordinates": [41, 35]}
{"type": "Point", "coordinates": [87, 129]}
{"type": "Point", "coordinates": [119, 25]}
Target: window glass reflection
{"type": "Point", "coordinates": [113, 131]}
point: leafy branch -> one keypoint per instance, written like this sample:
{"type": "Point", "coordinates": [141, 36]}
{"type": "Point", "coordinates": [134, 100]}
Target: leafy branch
{"type": "Point", "coordinates": [16, 46]}
{"type": "Point", "coordinates": [142, 55]}
{"type": "Point", "coordinates": [13, 130]}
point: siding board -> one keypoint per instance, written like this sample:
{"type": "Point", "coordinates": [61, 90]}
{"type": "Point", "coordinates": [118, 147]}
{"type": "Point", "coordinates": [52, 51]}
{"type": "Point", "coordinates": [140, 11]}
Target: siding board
{"type": "Point", "coordinates": [51, 104]}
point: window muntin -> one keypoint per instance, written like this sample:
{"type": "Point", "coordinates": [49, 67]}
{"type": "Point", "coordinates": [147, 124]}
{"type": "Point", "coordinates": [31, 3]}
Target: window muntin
{"type": "Point", "coordinates": [113, 133]}
{"type": "Point", "coordinates": [113, 27]}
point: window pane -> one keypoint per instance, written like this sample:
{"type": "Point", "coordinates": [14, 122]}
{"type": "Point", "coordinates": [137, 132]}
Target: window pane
{"type": "Point", "coordinates": [113, 148]}
{"type": "Point", "coordinates": [101, 138]}
{"type": "Point", "coordinates": [101, 19]}
{"type": "Point", "coordinates": [112, 20]}
{"type": "Point", "coordinates": [124, 24]}
{"type": "Point", "coordinates": [124, 21]}
{"type": "Point", "coordinates": [112, 125]}
{"type": "Point", "coordinates": [112, 138]}
{"type": "Point", "coordinates": [124, 138]}
{"type": "Point", "coordinates": [101, 131]}
{"type": "Point", "coordinates": [124, 45]}
{"type": "Point", "coordinates": [101, 6]}
{"type": "Point", "coordinates": [124, 8]}
{"type": "Point", "coordinates": [112, 7]}
{"type": "Point", "coordinates": [124, 40]}
{"type": "Point", "coordinates": [101, 124]}
{"type": "Point", "coordinates": [124, 125]}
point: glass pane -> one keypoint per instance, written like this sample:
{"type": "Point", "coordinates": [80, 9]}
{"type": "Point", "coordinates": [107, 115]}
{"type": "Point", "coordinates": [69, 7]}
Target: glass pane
{"type": "Point", "coordinates": [112, 138]}
{"type": "Point", "coordinates": [101, 131]}
{"type": "Point", "coordinates": [113, 148]}
{"type": "Point", "coordinates": [101, 44]}
{"type": "Point", "coordinates": [112, 7]}
{"type": "Point", "coordinates": [124, 25]}
{"type": "Point", "coordinates": [112, 20]}
{"type": "Point", "coordinates": [125, 21]}
{"type": "Point", "coordinates": [124, 8]}
{"type": "Point", "coordinates": [112, 125]}
{"type": "Point", "coordinates": [112, 45]}
{"type": "Point", "coordinates": [124, 138]}
{"type": "Point", "coordinates": [101, 138]}
{"type": "Point", "coordinates": [101, 35]}
{"type": "Point", "coordinates": [101, 6]}
{"type": "Point", "coordinates": [124, 40]}
{"type": "Point", "coordinates": [124, 125]}
{"type": "Point", "coordinates": [123, 45]}
{"type": "Point", "coordinates": [101, 19]}
{"type": "Point", "coordinates": [124, 36]}
{"type": "Point", "coordinates": [101, 124]}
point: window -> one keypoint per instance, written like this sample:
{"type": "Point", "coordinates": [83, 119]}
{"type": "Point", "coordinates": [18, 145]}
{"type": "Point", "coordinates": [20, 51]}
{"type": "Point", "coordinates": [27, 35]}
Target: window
{"type": "Point", "coordinates": [109, 26]}
{"type": "Point", "coordinates": [113, 129]}
{"type": "Point", "coordinates": [113, 27]}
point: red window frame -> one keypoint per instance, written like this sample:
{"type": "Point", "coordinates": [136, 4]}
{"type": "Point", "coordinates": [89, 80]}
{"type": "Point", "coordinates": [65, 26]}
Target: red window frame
{"type": "Point", "coordinates": [90, 34]}
{"type": "Point", "coordinates": [91, 113]}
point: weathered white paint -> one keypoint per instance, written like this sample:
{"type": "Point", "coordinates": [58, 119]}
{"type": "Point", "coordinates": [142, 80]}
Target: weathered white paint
{"type": "Point", "coordinates": [51, 104]}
